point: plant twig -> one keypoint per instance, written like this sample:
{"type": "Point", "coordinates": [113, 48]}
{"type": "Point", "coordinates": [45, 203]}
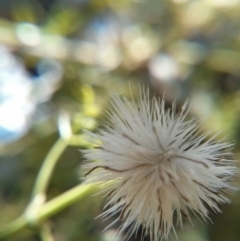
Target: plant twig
{"type": "Point", "coordinates": [47, 168]}
{"type": "Point", "coordinates": [13, 227]}
{"type": "Point", "coordinates": [45, 233]}
{"type": "Point", "coordinates": [49, 209]}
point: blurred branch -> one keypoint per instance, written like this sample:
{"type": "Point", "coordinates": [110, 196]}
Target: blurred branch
{"type": "Point", "coordinates": [48, 167]}
{"type": "Point", "coordinates": [46, 171]}
{"type": "Point", "coordinates": [13, 227]}
{"type": "Point", "coordinates": [45, 233]}
{"type": "Point", "coordinates": [78, 140]}
{"type": "Point", "coordinates": [38, 211]}
{"type": "Point", "coordinates": [33, 218]}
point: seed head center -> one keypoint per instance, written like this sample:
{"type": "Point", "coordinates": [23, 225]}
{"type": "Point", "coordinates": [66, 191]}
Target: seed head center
{"type": "Point", "coordinates": [167, 155]}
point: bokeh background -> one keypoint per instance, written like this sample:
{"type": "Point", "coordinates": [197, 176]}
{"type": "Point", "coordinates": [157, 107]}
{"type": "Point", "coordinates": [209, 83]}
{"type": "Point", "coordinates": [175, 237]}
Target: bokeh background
{"type": "Point", "coordinates": [62, 60]}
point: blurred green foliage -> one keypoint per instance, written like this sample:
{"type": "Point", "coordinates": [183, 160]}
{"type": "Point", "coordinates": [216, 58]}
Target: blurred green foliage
{"type": "Point", "coordinates": [186, 49]}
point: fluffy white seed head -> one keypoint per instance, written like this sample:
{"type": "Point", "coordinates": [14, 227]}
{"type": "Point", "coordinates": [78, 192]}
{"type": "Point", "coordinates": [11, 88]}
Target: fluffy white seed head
{"type": "Point", "coordinates": [157, 166]}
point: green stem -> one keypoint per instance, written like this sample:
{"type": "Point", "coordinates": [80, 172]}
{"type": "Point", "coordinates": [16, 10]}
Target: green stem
{"type": "Point", "coordinates": [49, 209]}
{"type": "Point", "coordinates": [47, 168]}
{"type": "Point", "coordinates": [45, 233]}
{"type": "Point", "coordinates": [65, 200]}
{"type": "Point", "coordinates": [13, 227]}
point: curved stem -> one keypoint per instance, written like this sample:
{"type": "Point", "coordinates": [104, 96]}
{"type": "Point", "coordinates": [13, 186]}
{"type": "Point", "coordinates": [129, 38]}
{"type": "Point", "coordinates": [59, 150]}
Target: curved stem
{"type": "Point", "coordinates": [13, 227]}
{"type": "Point", "coordinates": [65, 200]}
{"type": "Point", "coordinates": [49, 209]}
{"type": "Point", "coordinates": [47, 168]}
{"type": "Point", "coordinates": [45, 233]}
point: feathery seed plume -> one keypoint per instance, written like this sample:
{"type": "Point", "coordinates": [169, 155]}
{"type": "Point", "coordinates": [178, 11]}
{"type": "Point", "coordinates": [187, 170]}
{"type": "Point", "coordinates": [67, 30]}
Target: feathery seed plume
{"type": "Point", "coordinates": [156, 166]}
